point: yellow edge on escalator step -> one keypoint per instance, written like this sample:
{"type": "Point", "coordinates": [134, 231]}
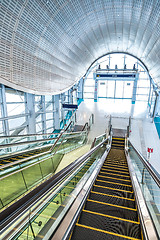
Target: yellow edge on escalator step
{"type": "Point", "coordinates": [114, 178]}
{"type": "Point", "coordinates": [113, 205]}
{"type": "Point", "coordinates": [104, 215]}
{"type": "Point", "coordinates": [114, 165]}
{"type": "Point", "coordinates": [115, 174]}
{"type": "Point", "coordinates": [115, 168]}
{"type": "Point", "coordinates": [115, 189]}
{"type": "Point", "coordinates": [103, 231]}
{"type": "Point", "coordinates": [114, 183]}
{"type": "Point", "coordinates": [112, 170]}
{"type": "Point", "coordinates": [121, 138]}
{"type": "Point", "coordinates": [117, 145]}
{"type": "Point", "coordinates": [129, 199]}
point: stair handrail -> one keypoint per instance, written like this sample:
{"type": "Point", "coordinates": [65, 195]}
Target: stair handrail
{"type": "Point", "coordinates": [95, 139]}
{"type": "Point", "coordinates": [148, 166]}
{"type": "Point", "coordinates": [61, 134]}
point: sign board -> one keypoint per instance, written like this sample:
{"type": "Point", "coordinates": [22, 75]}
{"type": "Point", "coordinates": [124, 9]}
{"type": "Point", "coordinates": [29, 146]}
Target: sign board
{"type": "Point", "coordinates": [72, 106]}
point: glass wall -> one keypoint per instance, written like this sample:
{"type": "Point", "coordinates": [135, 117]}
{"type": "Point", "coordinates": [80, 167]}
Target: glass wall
{"type": "Point", "coordinates": [24, 113]}
{"type": "Point", "coordinates": [117, 89]}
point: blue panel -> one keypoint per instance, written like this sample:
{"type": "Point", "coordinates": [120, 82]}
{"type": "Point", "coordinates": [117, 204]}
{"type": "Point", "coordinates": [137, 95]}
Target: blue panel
{"type": "Point", "coordinates": [117, 75]}
{"type": "Point", "coordinates": [73, 106]}
{"type": "Point", "coordinates": [157, 123]}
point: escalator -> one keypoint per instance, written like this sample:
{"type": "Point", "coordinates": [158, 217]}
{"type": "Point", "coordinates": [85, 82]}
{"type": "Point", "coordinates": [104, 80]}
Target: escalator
{"type": "Point", "coordinates": [110, 211]}
{"type": "Point", "coordinates": [19, 156]}
{"type": "Point", "coordinates": [23, 155]}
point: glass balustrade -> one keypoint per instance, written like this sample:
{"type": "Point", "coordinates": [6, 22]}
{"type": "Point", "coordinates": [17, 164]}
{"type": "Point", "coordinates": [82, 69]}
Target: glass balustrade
{"type": "Point", "coordinates": [150, 189]}
{"type": "Point", "coordinates": [19, 177]}
{"type": "Point", "coordinates": [53, 209]}
{"type": "Point", "coordinates": [99, 139]}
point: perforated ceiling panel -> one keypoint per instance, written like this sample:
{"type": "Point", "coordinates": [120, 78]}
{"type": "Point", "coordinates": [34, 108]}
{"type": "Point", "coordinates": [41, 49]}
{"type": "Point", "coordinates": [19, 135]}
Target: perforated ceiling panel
{"type": "Point", "coordinates": [46, 45]}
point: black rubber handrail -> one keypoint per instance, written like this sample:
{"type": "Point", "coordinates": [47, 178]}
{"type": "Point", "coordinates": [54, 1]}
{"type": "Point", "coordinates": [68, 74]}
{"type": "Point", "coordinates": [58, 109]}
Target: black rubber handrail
{"type": "Point", "coordinates": [14, 210]}
{"type": "Point", "coordinates": [150, 169]}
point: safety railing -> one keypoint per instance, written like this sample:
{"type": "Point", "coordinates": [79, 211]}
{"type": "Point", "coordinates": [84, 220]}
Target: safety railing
{"type": "Point", "coordinates": [149, 182]}
{"type": "Point", "coordinates": [98, 139]}
{"type": "Point", "coordinates": [49, 207]}
{"type": "Point", "coordinates": [20, 176]}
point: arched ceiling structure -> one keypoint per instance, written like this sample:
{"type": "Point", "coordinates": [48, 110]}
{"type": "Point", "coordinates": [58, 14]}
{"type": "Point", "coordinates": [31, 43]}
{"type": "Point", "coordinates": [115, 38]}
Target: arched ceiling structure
{"type": "Point", "coordinates": [47, 45]}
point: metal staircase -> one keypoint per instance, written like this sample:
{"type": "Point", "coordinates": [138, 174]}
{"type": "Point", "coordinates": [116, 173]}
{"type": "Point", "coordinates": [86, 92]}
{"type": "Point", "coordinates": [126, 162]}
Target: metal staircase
{"type": "Point", "coordinates": [110, 211]}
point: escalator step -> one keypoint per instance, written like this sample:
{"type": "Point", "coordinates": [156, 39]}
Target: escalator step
{"type": "Point", "coordinates": [112, 199]}
{"type": "Point", "coordinates": [115, 192]}
{"type": "Point", "coordinates": [83, 233]}
{"type": "Point", "coordinates": [110, 224]}
{"type": "Point", "coordinates": [106, 164]}
{"type": "Point", "coordinates": [114, 171]}
{"type": "Point", "coordinates": [111, 210]}
{"type": "Point", "coordinates": [105, 173]}
{"type": "Point", "coordinates": [116, 180]}
{"type": "Point", "coordinates": [113, 185]}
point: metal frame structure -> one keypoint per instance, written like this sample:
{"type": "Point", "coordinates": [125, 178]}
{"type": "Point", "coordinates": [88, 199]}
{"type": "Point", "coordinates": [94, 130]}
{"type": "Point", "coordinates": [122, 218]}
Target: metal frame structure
{"type": "Point", "coordinates": [26, 113]}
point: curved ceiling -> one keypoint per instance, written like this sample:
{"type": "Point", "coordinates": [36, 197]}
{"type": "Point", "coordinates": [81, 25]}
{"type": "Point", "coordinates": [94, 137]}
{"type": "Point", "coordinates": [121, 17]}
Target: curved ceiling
{"type": "Point", "coordinates": [47, 45]}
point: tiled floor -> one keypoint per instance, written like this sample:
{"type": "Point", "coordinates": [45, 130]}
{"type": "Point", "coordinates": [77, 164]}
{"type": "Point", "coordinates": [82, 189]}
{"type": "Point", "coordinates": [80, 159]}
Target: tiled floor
{"type": "Point", "coordinates": [143, 133]}
{"type": "Point", "coordinates": [72, 156]}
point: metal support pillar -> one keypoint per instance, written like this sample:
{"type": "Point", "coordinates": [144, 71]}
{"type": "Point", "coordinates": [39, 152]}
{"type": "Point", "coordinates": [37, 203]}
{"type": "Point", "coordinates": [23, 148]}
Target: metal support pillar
{"type": "Point", "coordinates": [95, 88]}
{"type": "Point", "coordinates": [30, 118]}
{"type": "Point", "coordinates": [155, 110]}
{"type": "Point", "coordinates": [80, 88]}
{"type": "Point", "coordinates": [135, 89]}
{"type": "Point", "coordinates": [57, 112]}
{"type": "Point", "coordinates": [4, 113]}
{"type": "Point", "coordinates": [43, 114]}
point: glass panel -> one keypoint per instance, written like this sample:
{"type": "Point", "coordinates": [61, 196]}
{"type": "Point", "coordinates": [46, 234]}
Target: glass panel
{"type": "Point", "coordinates": [128, 89]}
{"type": "Point", "coordinates": [111, 88]}
{"type": "Point", "coordinates": [119, 89]}
{"type": "Point", "coordinates": [11, 188]}
{"type": "Point", "coordinates": [149, 187]}
{"type": "Point", "coordinates": [47, 167]}
{"type": "Point", "coordinates": [101, 89]}
{"type": "Point", "coordinates": [32, 175]}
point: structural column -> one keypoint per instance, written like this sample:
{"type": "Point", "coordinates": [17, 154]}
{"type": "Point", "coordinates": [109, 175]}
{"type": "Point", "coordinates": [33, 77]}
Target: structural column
{"type": "Point", "coordinates": [95, 88]}
{"type": "Point", "coordinates": [135, 89]}
{"type": "Point", "coordinates": [43, 114]}
{"type": "Point", "coordinates": [30, 108]}
{"type": "Point", "coordinates": [4, 113]}
{"type": "Point", "coordinates": [57, 112]}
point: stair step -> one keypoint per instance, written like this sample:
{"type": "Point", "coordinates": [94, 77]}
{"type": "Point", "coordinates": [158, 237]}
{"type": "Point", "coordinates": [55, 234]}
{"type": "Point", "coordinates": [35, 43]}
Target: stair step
{"type": "Point", "coordinates": [111, 210]}
{"type": "Point", "coordinates": [115, 171]}
{"type": "Point", "coordinates": [115, 180]}
{"type": "Point", "coordinates": [110, 224]}
{"type": "Point", "coordinates": [105, 173]}
{"type": "Point", "coordinates": [112, 199]}
{"type": "Point", "coordinates": [83, 233]}
{"type": "Point", "coordinates": [115, 192]}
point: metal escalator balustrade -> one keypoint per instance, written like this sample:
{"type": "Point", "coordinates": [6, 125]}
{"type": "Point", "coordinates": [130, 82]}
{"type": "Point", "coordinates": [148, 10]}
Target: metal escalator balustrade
{"type": "Point", "coordinates": [110, 211]}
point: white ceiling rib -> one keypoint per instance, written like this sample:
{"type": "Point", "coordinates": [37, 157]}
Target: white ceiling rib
{"type": "Point", "coordinates": [47, 45]}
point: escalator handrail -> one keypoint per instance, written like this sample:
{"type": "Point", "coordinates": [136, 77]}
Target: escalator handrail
{"type": "Point", "coordinates": [147, 165]}
{"type": "Point", "coordinates": [93, 143]}
{"type": "Point", "coordinates": [31, 157]}
{"type": "Point", "coordinates": [7, 145]}
{"type": "Point", "coordinates": [14, 210]}
{"type": "Point", "coordinates": [61, 134]}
